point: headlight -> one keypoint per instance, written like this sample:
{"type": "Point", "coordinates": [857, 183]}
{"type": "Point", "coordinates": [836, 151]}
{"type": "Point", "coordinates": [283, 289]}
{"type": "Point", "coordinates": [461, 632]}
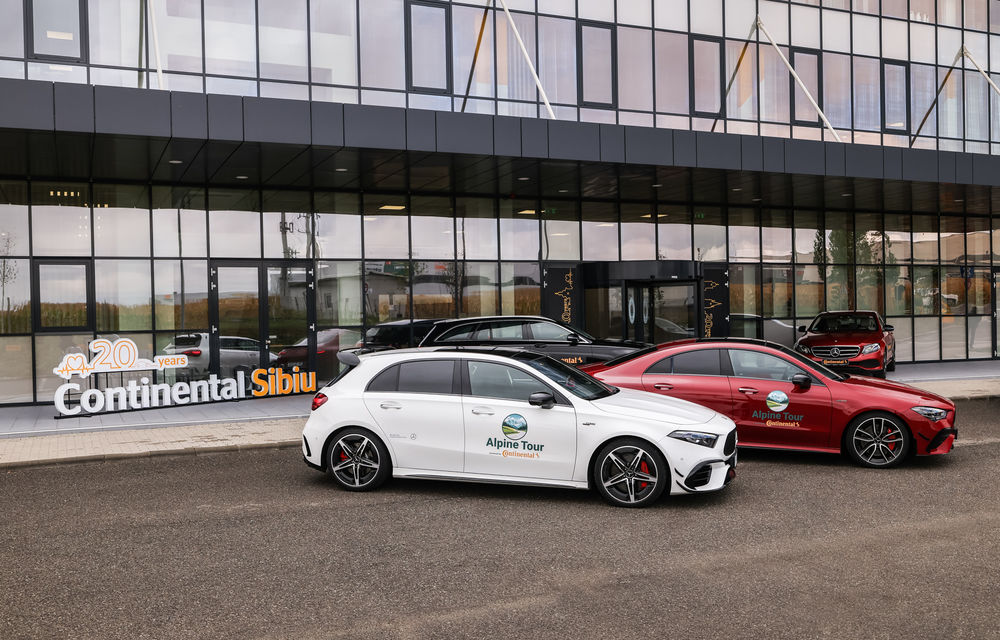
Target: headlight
{"type": "Point", "coordinates": [696, 437]}
{"type": "Point", "coordinates": [932, 413]}
{"type": "Point", "coordinates": [871, 348]}
{"type": "Point", "coordinates": [803, 348]}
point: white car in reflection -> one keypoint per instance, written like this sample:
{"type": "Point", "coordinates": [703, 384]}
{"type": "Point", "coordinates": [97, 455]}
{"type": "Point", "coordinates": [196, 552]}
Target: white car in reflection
{"type": "Point", "coordinates": [235, 354]}
{"type": "Point", "coordinates": [505, 416]}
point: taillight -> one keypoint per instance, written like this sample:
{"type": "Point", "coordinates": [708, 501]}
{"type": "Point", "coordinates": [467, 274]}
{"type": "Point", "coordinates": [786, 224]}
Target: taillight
{"type": "Point", "coordinates": [283, 352]}
{"type": "Point", "coordinates": [321, 351]}
{"type": "Point", "coordinates": [192, 352]}
{"type": "Point", "coordinates": [319, 400]}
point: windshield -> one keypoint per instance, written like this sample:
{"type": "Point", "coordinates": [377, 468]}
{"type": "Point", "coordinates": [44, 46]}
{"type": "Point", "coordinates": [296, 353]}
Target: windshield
{"type": "Point", "coordinates": [569, 378]}
{"type": "Point", "coordinates": [812, 364]}
{"type": "Point", "coordinates": [844, 323]}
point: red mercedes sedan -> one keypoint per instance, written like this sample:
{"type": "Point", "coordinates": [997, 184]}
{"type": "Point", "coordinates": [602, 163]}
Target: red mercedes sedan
{"type": "Point", "coordinates": [856, 341]}
{"type": "Point", "coordinates": [782, 400]}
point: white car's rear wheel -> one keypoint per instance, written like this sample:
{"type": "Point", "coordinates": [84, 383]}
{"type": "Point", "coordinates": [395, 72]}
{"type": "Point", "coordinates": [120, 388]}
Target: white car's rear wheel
{"type": "Point", "coordinates": [357, 460]}
{"type": "Point", "coordinates": [630, 473]}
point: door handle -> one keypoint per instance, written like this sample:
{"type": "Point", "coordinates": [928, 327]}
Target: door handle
{"type": "Point", "coordinates": [482, 411]}
{"type": "Point", "coordinates": [663, 386]}
{"type": "Point", "coordinates": [748, 390]}
{"type": "Point", "coordinates": [391, 405]}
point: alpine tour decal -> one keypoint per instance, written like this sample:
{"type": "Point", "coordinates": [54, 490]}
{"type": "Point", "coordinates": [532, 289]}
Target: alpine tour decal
{"type": "Point", "coordinates": [512, 445]}
{"type": "Point", "coordinates": [777, 402]}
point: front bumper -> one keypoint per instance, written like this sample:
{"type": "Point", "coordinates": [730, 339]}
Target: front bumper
{"type": "Point", "coordinates": [861, 363]}
{"type": "Point", "coordinates": [943, 441]}
{"type": "Point", "coordinates": [710, 475]}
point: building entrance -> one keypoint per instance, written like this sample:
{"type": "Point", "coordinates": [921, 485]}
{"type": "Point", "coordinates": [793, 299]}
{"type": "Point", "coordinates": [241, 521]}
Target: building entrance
{"type": "Point", "coordinates": [659, 312]}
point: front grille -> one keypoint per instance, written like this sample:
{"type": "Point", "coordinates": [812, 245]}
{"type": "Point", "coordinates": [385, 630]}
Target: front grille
{"type": "Point", "coordinates": [699, 477]}
{"type": "Point", "coordinates": [842, 352]}
{"type": "Point", "coordinates": [730, 443]}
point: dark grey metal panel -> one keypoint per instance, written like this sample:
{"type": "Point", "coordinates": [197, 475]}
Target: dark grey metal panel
{"type": "Point", "coordinates": [133, 112]}
{"type": "Point", "coordinates": [963, 168]}
{"type": "Point", "coordinates": [534, 138]}
{"type": "Point", "coordinates": [919, 164]}
{"type": "Point", "coordinates": [225, 118]}
{"type": "Point", "coordinates": [685, 149]}
{"type": "Point", "coordinates": [892, 163]}
{"type": "Point", "coordinates": [26, 104]}
{"type": "Point", "coordinates": [421, 130]}
{"type": "Point", "coordinates": [188, 115]}
{"type": "Point", "coordinates": [274, 120]}
{"type": "Point", "coordinates": [649, 146]}
{"type": "Point", "coordinates": [946, 166]}
{"type": "Point", "coordinates": [986, 170]}
{"type": "Point", "coordinates": [613, 143]}
{"type": "Point", "coordinates": [774, 154]}
{"type": "Point", "coordinates": [327, 124]}
{"type": "Point", "coordinates": [863, 161]}
{"type": "Point", "coordinates": [718, 150]}
{"type": "Point", "coordinates": [507, 136]}
{"type": "Point", "coordinates": [74, 107]}
{"type": "Point", "coordinates": [575, 141]}
{"type": "Point", "coordinates": [464, 133]}
{"type": "Point", "coordinates": [374, 127]}
{"type": "Point", "coordinates": [805, 156]}
{"type": "Point", "coordinates": [751, 153]}
{"type": "Point", "coordinates": [835, 162]}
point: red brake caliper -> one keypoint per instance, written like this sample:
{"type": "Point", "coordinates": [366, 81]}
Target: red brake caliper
{"type": "Point", "coordinates": [888, 432]}
{"type": "Point", "coordinates": [343, 456]}
{"type": "Point", "coordinates": [645, 469]}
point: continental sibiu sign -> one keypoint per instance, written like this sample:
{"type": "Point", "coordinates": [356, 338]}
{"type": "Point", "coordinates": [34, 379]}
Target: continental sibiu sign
{"type": "Point", "coordinates": [122, 356]}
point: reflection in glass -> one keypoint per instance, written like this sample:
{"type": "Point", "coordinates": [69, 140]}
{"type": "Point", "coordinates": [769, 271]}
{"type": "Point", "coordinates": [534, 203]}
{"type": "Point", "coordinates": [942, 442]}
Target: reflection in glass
{"type": "Point", "coordinates": [839, 237]}
{"type": "Point", "coordinates": [432, 228]}
{"type": "Point", "coordinates": [561, 230]}
{"type": "Point", "coordinates": [466, 22]}
{"type": "Point", "coordinates": [56, 28]}
{"type": "Point", "coordinates": [514, 79]}
{"type": "Point", "coordinates": [869, 238]}
{"type": "Point", "coordinates": [49, 352]}
{"type": "Point", "coordinates": [477, 228]}
{"type": "Point", "coordinates": [287, 310]}
{"type": "Point", "coordinates": [674, 233]}
{"type": "Point", "coordinates": [386, 227]}
{"type": "Point", "coordinates": [977, 240]}
{"type": "Point", "coordinates": [635, 69]}
{"type": "Point", "coordinates": [980, 332]}
{"type": "Point", "coordinates": [334, 41]}
{"type": "Point", "coordinates": [603, 310]}
{"type": "Point", "coordinates": [809, 245]}
{"type": "Point", "coordinates": [809, 287]}
{"type": "Point", "coordinates": [179, 28]}
{"type": "Point", "coordinates": [953, 301]}
{"type": "Point", "coordinates": [953, 338]}
{"type": "Point", "coordinates": [744, 235]}
{"type": "Point", "coordinates": [776, 293]}
{"type": "Point", "coordinates": [13, 230]}
{"type": "Point", "coordinates": [73, 223]}
{"type": "Point", "coordinates": [807, 67]}
{"type": "Point", "coordinates": [839, 288]}
{"type": "Point", "coordinates": [283, 48]}
{"type": "Point", "coordinates": [121, 232]}
{"type": "Point", "coordinates": [382, 40]}
{"type": "Point", "coordinates": [709, 235]}
{"type": "Point", "coordinates": [230, 35]}
{"type": "Point", "coordinates": [114, 32]}
{"type": "Point", "coordinates": [62, 295]}
{"type": "Point", "coordinates": [480, 289]}
{"type": "Point", "coordinates": [672, 94]}
{"type": "Point", "coordinates": [179, 232]}
{"type": "Point", "coordinates": [518, 230]}
{"type": "Point", "coordinates": [952, 239]}
{"type": "Point", "coordinates": [926, 291]}
{"type": "Point", "coordinates": [239, 303]}
{"type": "Point", "coordinates": [596, 46]}
{"type": "Point", "coordinates": [12, 29]}
{"type": "Point", "coordinates": [600, 231]}
{"type": "Point", "coordinates": [638, 235]}
{"type": "Point", "coordinates": [338, 225]}
{"type": "Point", "coordinates": [338, 293]}
{"type": "Point", "coordinates": [870, 294]}
{"type": "Point", "coordinates": [287, 235]}
{"type": "Point", "coordinates": [428, 57]}
{"type": "Point", "coordinates": [181, 300]}
{"type": "Point", "coordinates": [980, 292]}
{"type": "Point", "coordinates": [837, 89]}
{"type": "Point", "coordinates": [776, 235]}
{"type": "Point", "coordinates": [435, 287]}
{"type": "Point", "coordinates": [520, 289]}
{"type": "Point", "coordinates": [121, 289]}
{"type": "Point", "coordinates": [898, 291]}
{"type": "Point", "coordinates": [895, 97]}
{"type": "Point", "coordinates": [903, 333]}
{"type": "Point", "coordinates": [674, 312]}
{"type": "Point", "coordinates": [925, 239]}
{"type": "Point", "coordinates": [387, 291]}
{"type": "Point", "coordinates": [234, 234]}
{"type": "Point", "coordinates": [15, 375]}
{"type": "Point", "coordinates": [556, 58]}
{"type": "Point", "coordinates": [707, 80]}
{"type": "Point", "coordinates": [15, 294]}
{"type": "Point", "coordinates": [926, 342]}
{"type": "Point", "coordinates": [741, 102]}
{"type": "Point", "coordinates": [897, 237]}
{"type": "Point", "coordinates": [744, 290]}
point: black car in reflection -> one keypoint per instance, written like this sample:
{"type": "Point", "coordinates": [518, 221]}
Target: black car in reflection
{"type": "Point", "coordinates": [398, 334]}
{"type": "Point", "coordinates": [531, 333]}
{"type": "Point", "coordinates": [329, 343]}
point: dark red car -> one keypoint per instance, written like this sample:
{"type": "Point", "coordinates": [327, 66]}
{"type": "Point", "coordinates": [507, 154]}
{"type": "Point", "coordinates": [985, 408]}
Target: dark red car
{"type": "Point", "coordinates": [855, 341]}
{"type": "Point", "coordinates": [782, 400]}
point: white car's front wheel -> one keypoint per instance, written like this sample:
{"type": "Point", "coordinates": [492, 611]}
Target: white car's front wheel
{"type": "Point", "coordinates": [630, 473]}
{"type": "Point", "coordinates": [357, 460]}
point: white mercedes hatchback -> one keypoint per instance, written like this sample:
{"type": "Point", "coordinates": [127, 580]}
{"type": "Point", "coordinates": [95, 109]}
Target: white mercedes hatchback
{"type": "Point", "coordinates": [511, 417]}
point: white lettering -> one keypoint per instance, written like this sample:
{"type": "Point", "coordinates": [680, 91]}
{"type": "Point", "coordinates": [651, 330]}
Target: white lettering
{"type": "Point", "coordinates": [160, 395]}
{"type": "Point", "coordinates": [133, 394]}
{"type": "Point", "coordinates": [199, 391]}
{"type": "Point", "coordinates": [60, 399]}
{"type": "Point", "coordinates": [241, 381]}
{"type": "Point", "coordinates": [92, 400]}
{"type": "Point", "coordinates": [230, 389]}
{"type": "Point", "coordinates": [116, 399]}
{"type": "Point", "coordinates": [179, 394]}
{"type": "Point", "coordinates": [213, 382]}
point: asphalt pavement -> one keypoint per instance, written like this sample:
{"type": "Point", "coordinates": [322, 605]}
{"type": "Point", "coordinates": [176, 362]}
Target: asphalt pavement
{"type": "Point", "coordinates": [253, 544]}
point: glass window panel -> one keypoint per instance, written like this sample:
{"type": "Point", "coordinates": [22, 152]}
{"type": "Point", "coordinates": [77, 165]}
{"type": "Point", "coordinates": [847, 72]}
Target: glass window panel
{"type": "Point", "coordinates": [922, 10]}
{"type": "Point", "coordinates": [707, 80]}
{"type": "Point", "coordinates": [333, 26]}
{"type": "Point", "coordinates": [603, 10]}
{"type": "Point", "coordinates": [636, 12]}
{"type": "Point", "coordinates": [896, 115]}
{"type": "Point", "coordinates": [980, 292]}
{"type": "Point", "coordinates": [62, 295]}
{"type": "Point", "coordinates": [903, 333]}
{"type": "Point", "coordinates": [638, 235]}
{"type": "Point", "coordinates": [977, 240]}
{"type": "Point", "coordinates": [338, 293]}
{"type": "Point", "coordinates": [776, 292]}
{"type": "Point", "coordinates": [925, 239]}
{"type": "Point", "coordinates": [673, 233]}
{"type": "Point", "coordinates": [428, 57]}
{"type": "Point", "coordinates": [672, 72]}
{"type": "Point", "coordinates": [121, 232]}
{"type": "Point", "coordinates": [976, 117]}
{"type": "Point", "coordinates": [12, 29]}
{"type": "Point", "coordinates": [706, 17]}
{"type": "Point", "coordinates": [868, 94]}
{"type": "Point", "coordinates": [477, 228]}
{"type": "Point", "coordinates": [809, 240]}
{"type": "Point", "coordinates": [839, 288]}
{"type": "Point", "coordinates": [950, 105]}
{"type": "Point", "coordinates": [230, 35]}
{"type": "Point", "coordinates": [898, 291]}
{"type": "Point", "coordinates": [480, 294]}
{"type": "Point", "coordinates": [980, 336]}
{"type": "Point", "coordinates": [518, 230]}
{"type": "Point", "coordinates": [870, 289]}
{"type": "Point", "coordinates": [514, 79]}
{"type": "Point", "coordinates": [56, 28]}
{"type": "Point", "coordinates": [600, 231]}
{"type": "Point", "coordinates": [558, 7]}
{"type": "Point", "coordinates": [386, 227]}
{"type": "Point", "coordinates": [16, 383]}
{"type": "Point", "coordinates": [435, 286]}
{"type": "Point", "coordinates": [51, 72]}
{"type": "Point", "coordinates": [179, 27]}
{"type": "Point", "coordinates": [742, 99]}
{"type": "Point", "coordinates": [671, 14]}
{"type": "Point", "coordinates": [60, 206]}
{"type": "Point", "coordinates": [561, 230]}
{"type": "Point", "coordinates": [603, 311]}
{"type": "Point", "coordinates": [557, 59]}
{"type": "Point", "coordinates": [387, 291]}
{"type": "Point", "coordinates": [953, 338]}
{"type": "Point", "coordinates": [808, 291]}
{"type": "Point", "coordinates": [839, 237]}
{"type": "Point", "coordinates": [382, 41]}
{"type": "Point", "coordinates": [926, 339]}
{"type": "Point", "coordinates": [181, 300]}
{"type": "Point", "coordinates": [807, 66]}
{"type": "Point", "coordinates": [744, 290]}
{"type": "Point", "coordinates": [432, 226]}
{"type": "Point", "coordinates": [952, 239]}
{"type": "Point", "coordinates": [234, 234]}
{"type": "Point", "coordinates": [283, 39]}
{"type": "Point", "coordinates": [121, 290]}
{"type": "Point", "coordinates": [113, 31]}
{"type": "Point", "coordinates": [776, 235]}
{"type": "Point", "coordinates": [868, 227]}
{"type": "Point", "coordinates": [949, 12]}
{"type": "Point", "coordinates": [15, 293]}
{"type": "Point", "coordinates": [521, 286]}
{"type": "Point", "coordinates": [837, 89]}
{"type": "Point", "coordinates": [179, 232]}
{"type": "Point", "coordinates": [709, 235]}
{"type": "Point", "coordinates": [635, 69]}
{"type": "Point", "coordinates": [287, 224]}
{"type": "Point", "coordinates": [596, 47]}
{"type": "Point", "coordinates": [953, 295]}
{"type": "Point", "coordinates": [49, 351]}
{"type": "Point", "coordinates": [466, 23]}
{"type": "Point", "coordinates": [923, 92]}
{"type": "Point", "coordinates": [774, 86]}
{"type": "Point", "coordinates": [995, 16]}
{"type": "Point", "coordinates": [744, 235]}
{"type": "Point", "coordinates": [338, 225]}
{"type": "Point", "coordinates": [897, 237]}
{"type": "Point", "coordinates": [13, 228]}
{"type": "Point", "coordinates": [926, 291]}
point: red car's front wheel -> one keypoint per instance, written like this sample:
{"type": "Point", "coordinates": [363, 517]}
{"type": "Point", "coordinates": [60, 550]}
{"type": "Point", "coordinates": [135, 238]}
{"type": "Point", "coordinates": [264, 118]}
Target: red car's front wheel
{"type": "Point", "coordinates": [877, 440]}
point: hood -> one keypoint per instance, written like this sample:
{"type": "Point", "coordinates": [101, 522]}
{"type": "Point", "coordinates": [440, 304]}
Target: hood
{"type": "Point", "coordinates": [861, 383]}
{"type": "Point", "coordinates": [853, 338]}
{"type": "Point", "coordinates": [650, 406]}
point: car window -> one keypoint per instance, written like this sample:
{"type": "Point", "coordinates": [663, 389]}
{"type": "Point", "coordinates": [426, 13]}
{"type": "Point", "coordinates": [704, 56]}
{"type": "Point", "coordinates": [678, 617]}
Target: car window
{"type": "Point", "coordinates": [187, 341]}
{"type": "Point", "coordinates": [385, 381]}
{"type": "Point", "coordinates": [548, 331]}
{"type": "Point", "coordinates": [248, 345]}
{"type": "Point", "coordinates": [228, 343]}
{"type": "Point", "coordinates": [427, 376]}
{"type": "Point", "coordinates": [844, 323]}
{"type": "Point", "coordinates": [700, 362]}
{"type": "Point", "coordinates": [764, 366]}
{"type": "Point", "coordinates": [492, 380]}
{"type": "Point", "coordinates": [464, 332]}
{"type": "Point", "coordinates": [570, 378]}
{"type": "Point", "coordinates": [503, 330]}
{"type": "Point", "coordinates": [661, 366]}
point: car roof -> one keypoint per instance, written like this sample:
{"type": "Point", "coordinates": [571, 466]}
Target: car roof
{"type": "Point", "coordinates": [844, 313]}
{"type": "Point", "coordinates": [402, 323]}
{"type": "Point", "coordinates": [492, 318]}
{"type": "Point", "coordinates": [503, 351]}
{"type": "Point", "coordinates": [722, 341]}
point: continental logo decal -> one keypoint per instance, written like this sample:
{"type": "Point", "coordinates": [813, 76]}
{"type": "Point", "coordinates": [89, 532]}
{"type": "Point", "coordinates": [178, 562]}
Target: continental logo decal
{"type": "Point", "coordinates": [513, 445]}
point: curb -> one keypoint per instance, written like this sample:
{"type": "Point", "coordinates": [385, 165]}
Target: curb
{"type": "Point", "coordinates": [48, 462]}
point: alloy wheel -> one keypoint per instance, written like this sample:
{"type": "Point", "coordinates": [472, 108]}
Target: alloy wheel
{"type": "Point", "coordinates": [355, 460]}
{"type": "Point", "coordinates": [878, 441]}
{"type": "Point", "coordinates": [629, 474]}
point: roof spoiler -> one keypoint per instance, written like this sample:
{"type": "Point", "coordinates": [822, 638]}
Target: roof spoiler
{"type": "Point", "coordinates": [349, 358]}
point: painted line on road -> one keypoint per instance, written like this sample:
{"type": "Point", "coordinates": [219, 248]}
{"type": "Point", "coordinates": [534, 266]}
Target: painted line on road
{"type": "Point", "coordinates": [977, 441]}
{"type": "Point", "coordinates": [147, 425]}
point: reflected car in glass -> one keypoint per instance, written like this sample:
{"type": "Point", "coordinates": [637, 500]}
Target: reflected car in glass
{"type": "Point", "coordinates": [780, 399]}
{"type": "Point", "coordinates": [855, 341]}
{"type": "Point", "coordinates": [235, 354]}
{"type": "Point", "coordinates": [511, 417]}
{"type": "Point", "coordinates": [328, 345]}
{"type": "Point", "coordinates": [398, 334]}
{"type": "Point", "coordinates": [531, 333]}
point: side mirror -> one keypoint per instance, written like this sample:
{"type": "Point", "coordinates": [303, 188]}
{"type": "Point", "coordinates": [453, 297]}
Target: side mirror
{"type": "Point", "coordinates": [802, 328]}
{"type": "Point", "coordinates": [542, 399]}
{"type": "Point", "coordinates": [802, 381]}
{"type": "Point", "coordinates": [573, 339]}
{"type": "Point", "coordinates": [888, 327]}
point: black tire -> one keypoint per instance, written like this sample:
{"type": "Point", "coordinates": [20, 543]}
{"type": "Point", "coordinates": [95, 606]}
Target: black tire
{"type": "Point", "coordinates": [880, 373]}
{"type": "Point", "coordinates": [877, 440]}
{"type": "Point", "coordinates": [891, 365]}
{"type": "Point", "coordinates": [631, 461]}
{"type": "Point", "coordinates": [357, 460]}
